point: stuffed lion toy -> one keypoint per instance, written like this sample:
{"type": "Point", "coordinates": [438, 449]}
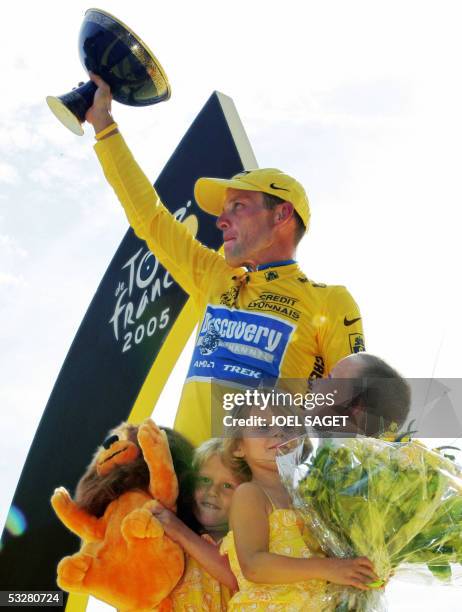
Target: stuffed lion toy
{"type": "Point", "coordinates": [125, 558]}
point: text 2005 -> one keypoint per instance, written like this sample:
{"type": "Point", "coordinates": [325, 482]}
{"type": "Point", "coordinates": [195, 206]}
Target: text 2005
{"type": "Point", "coordinates": [148, 329]}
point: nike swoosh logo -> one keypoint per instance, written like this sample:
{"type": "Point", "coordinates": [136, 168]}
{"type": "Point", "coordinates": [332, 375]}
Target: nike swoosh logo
{"type": "Point", "coordinates": [273, 186]}
{"type": "Point", "coordinates": [347, 323]}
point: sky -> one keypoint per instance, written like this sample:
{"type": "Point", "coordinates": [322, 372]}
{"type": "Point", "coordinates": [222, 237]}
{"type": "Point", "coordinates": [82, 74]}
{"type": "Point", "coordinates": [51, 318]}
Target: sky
{"type": "Point", "coordinates": [360, 101]}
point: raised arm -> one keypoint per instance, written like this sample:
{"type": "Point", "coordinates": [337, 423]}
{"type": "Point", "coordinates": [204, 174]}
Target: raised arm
{"type": "Point", "coordinates": [249, 522]}
{"type": "Point", "coordinates": [190, 262]}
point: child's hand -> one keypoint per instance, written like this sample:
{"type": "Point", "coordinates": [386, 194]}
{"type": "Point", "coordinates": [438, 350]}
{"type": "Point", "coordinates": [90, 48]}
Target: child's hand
{"type": "Point", "coordinates": [170, 522]}
{"type": "Point", "coordinates": [350, 572]}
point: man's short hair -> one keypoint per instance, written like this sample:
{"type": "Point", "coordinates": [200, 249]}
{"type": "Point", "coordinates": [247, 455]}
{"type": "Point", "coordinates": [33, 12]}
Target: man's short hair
{"type": "Point", "coordinates": [270, 201]}
{"type": "Point", "coordinates": [385, 393]}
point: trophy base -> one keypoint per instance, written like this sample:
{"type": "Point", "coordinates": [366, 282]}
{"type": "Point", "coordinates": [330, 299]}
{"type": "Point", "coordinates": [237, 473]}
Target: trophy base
{"type": "Point", "coordinates": [63, 114]}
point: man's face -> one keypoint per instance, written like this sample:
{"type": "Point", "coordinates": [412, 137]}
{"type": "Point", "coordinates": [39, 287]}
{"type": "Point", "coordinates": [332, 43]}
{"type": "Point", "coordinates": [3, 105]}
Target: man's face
{"type": "Point", "coordinates": [247, 226]}
{"type": "Point", "coordinates": [344, 383]}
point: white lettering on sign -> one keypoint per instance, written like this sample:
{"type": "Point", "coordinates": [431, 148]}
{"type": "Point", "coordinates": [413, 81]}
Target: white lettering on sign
{"type": "Point", "coordinates": [141, 274]}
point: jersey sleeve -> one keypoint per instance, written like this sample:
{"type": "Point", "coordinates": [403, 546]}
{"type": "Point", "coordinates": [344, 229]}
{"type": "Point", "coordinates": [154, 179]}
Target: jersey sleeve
{"type": "Point", "coordinates": [342, 332]}
{"type": "Point", "coordinates": [188, 261]}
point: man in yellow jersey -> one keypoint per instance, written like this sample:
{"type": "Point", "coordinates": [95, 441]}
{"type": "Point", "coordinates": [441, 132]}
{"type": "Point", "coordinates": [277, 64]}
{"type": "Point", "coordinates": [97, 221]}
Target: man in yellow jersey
{"type": "Point", "coordinates": [261, 318]}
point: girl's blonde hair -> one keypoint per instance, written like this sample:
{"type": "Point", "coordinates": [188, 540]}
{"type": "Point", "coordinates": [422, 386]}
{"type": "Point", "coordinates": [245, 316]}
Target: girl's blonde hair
{"type": "Point", "coordinates": [206, 450]}
{"type": "Point", "coordinates": [224, 449]}
{"type": "Point", "coordinates": [237, 465]}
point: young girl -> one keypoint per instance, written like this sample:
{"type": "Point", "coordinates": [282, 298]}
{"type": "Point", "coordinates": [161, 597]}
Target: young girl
{"type": "Point", "coordinates": [267, 545]}
{"type": "Point", "coordinates": [208, 581]}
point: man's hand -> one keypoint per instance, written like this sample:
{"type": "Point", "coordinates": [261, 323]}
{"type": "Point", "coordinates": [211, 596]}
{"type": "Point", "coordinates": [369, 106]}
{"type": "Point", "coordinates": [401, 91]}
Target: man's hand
{"type": "Point", "coordinates": [99, 114]}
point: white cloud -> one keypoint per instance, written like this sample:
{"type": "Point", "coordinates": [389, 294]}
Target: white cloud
{"type": "Point", "coordinates": [11, 280]}
{"type": "Point", "coordinates": [17, 135]}
{"type": "Point", "coordinates": [10, 246]}
{"type": "Point", "coordinates": [8, 174]}
{"type": "Point", "coordinates": [59, 168]}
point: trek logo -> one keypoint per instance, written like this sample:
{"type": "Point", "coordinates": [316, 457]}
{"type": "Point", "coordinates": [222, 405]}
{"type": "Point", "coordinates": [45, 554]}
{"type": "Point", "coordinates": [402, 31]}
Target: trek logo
{"type": "Point", "coordinates": [348, 322]}
{"type": "Point", "coordinates": [273, 186]}
{"type": "Point", "coordinates": [253, 344]}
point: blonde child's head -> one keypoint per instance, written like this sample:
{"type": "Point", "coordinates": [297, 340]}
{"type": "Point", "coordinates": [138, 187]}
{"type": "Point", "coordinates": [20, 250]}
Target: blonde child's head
{"type": "Point", "coordinates": [207, 449]}
{"type": "Point", "coordinates": [215, 485]}
{"type": "Point", "coordinates": [255, 443]}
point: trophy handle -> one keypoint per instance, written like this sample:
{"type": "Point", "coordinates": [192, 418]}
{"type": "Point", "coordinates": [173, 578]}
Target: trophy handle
{"type": "Point", "coordinates": [72, 107]}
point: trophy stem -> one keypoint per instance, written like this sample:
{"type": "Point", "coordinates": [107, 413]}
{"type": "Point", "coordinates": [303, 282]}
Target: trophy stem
{"type": "Point", "coordinates": [72, 107]}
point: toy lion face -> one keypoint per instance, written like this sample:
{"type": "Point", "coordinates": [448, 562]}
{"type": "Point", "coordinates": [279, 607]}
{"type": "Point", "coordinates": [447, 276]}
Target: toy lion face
{"type": "Point", "coordinates": [119, 448]}
{"type": "Point", "coordinates": [118, 466]}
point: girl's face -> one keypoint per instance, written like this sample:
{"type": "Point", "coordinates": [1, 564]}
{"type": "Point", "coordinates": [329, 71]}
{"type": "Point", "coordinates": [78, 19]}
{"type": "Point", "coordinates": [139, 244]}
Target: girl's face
{"type": "Point", "coordinates": [259, 443]}
{"type": "Point", "coordinates": [213, 494]}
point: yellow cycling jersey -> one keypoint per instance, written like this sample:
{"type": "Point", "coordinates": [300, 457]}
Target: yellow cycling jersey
{"type": "Point", "coordinates": [255, 326]}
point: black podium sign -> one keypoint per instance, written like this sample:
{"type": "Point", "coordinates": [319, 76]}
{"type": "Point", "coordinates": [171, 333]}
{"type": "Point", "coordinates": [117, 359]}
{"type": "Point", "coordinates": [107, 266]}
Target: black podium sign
{"type": "Point", "coordinates": [118, 363]}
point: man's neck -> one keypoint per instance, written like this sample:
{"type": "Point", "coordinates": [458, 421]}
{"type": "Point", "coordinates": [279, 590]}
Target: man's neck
{"type": "Point", "coordinates": [251, 267]}
{"type": "Point", "coordinates": [270, 258]}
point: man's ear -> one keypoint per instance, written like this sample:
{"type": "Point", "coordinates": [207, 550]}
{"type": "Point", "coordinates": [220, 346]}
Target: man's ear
{"type": "Point", "coordinates": [357, 411]}
{"type": "Point", "coordinates": [284, 212]}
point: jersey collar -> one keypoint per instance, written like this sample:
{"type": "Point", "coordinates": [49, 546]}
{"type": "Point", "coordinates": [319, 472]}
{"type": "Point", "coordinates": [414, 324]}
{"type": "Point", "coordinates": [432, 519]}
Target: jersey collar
{"type": "Point", "coordinates": [275, 264]}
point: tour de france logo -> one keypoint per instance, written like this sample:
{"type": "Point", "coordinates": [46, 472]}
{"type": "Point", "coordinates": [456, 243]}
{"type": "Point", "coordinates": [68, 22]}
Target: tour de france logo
{"type": "Point", "coordinates": [142, 297]}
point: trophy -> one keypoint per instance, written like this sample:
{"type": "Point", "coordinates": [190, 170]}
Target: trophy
{"type": "Point", "coordinates": [110, 49]}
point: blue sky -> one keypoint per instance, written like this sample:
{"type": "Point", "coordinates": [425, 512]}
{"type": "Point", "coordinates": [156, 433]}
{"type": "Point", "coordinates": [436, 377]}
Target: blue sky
{"type": "Point", "coordinates": [360, 101]}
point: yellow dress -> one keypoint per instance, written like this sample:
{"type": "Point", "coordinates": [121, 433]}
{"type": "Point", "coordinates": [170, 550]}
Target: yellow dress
{"type": "Point", "coordinates": [198, 591]}
{"type": "Point", "coordinates": [287, 537]}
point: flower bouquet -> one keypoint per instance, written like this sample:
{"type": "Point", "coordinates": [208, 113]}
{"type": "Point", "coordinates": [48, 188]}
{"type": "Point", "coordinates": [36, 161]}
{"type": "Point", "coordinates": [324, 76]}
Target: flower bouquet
{"type": "Point", "coordinates": [399, 504]}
